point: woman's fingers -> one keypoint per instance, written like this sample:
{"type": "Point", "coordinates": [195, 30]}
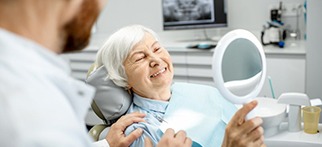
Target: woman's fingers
{"type": "Point", "coordinates": [169, 132]}
{"type": "Point", "coordinates": [172, 139]}
{"type": "Point", "coordinates": [188, 141]}
{"type": "Point", "coordinates": [148, 142]}
{"type": "Point", "coordinates": [250, 125]}
{"type": "Point", "coordinates": [256, 134]}
{"type": "Point", "coordinates": [240, 132]}
{"type": "Point", "coordinates": [239, 117]}
{"type": "Point", "coordinates": [181, 135]}
{"type": "Point", "coordinates": [258, 143]}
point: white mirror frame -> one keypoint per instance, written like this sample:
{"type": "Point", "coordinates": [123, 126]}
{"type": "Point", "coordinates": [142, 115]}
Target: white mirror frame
{"type": "Point", "coordinates": [217, 59]}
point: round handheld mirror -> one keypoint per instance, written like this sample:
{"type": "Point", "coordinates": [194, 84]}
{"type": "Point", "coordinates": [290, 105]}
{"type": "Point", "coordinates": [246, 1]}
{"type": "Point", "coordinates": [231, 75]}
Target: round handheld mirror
{"type": "Point", "coordinates": [239, 67]}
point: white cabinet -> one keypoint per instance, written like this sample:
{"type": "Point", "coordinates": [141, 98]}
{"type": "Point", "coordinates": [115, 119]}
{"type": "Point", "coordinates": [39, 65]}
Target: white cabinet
{"type": "Point", "coordinates": [191, 65]}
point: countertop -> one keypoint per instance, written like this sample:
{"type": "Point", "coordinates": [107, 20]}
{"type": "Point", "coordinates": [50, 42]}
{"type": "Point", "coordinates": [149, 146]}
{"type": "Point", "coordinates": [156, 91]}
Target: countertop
{"type": "Point", "coordinates": [296, 47]}
{"type": "Point", "coordinates": [291, 47]}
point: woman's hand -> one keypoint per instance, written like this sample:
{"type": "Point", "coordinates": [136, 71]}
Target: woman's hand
{"type": "Point", "coordinates": [241, 133]}
{"type": "Point", "coordinates": [116, 136]}
{"type": "Point", "coordinates": [170, 139]}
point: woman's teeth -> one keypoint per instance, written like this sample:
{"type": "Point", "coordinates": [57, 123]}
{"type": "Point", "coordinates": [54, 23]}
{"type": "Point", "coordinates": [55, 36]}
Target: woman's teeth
{"type": "Point", "coordinates": [159, 72]}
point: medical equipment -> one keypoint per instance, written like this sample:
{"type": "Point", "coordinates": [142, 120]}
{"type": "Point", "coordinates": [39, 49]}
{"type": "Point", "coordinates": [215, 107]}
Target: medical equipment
{"type": "Point", "coordinates": [273, 34]}
{"type": "Point", "coordinates": [295, 101]}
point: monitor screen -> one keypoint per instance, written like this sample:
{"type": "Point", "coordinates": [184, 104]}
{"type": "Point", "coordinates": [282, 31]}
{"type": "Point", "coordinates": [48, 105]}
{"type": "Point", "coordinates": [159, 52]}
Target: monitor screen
{"type": "Point", "coordinates": [193, 14]}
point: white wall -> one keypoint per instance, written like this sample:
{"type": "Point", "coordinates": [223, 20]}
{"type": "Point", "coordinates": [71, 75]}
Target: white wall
{"type": "Point", "coordinates": [246, 14]}
{"type": "Point", "coordinates": [314, 49]}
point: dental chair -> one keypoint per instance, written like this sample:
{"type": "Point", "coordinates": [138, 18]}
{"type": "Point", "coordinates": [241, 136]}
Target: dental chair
{"type": "Point", "coordinates": [109, 103]}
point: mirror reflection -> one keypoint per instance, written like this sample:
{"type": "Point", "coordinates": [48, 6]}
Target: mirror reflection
{"type": "Point", "coordinates": [241, 67]}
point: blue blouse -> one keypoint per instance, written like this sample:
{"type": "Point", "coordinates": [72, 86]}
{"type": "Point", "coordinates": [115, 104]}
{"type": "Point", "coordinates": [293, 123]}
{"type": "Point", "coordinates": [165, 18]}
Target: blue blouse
{"type": "Point", "coordinates": [200, 110]}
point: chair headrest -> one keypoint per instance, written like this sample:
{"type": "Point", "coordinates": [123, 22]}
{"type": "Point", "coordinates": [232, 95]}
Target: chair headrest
{"type": "Point", "coordinates": [112, 100]}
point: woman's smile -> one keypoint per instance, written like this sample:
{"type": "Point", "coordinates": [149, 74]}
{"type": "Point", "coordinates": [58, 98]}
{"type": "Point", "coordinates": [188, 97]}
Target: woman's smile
{"type": "Point", "coordinates": [158, 73]}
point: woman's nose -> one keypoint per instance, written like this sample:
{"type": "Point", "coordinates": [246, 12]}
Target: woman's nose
{"type": "Point", "coordinates": [155, 61]}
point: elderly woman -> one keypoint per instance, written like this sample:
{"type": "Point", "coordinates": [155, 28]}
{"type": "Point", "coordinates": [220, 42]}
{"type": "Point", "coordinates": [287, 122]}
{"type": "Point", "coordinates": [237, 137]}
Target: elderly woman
{"type": "Point", "coordinates": [135, 60]}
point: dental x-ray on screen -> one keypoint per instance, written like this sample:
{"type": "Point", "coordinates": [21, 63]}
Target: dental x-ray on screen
{"type": "Point", "coordinates": [191, 14]}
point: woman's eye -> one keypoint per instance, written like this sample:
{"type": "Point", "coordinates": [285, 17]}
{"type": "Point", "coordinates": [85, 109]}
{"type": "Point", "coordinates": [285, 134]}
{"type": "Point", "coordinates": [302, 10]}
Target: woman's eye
{"type": "Point", "coordinates": [139, 59]}
{"type": "Point", "coordinates": [157, 49]}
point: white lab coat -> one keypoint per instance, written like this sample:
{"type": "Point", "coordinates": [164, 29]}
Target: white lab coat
{"type": "Point", "coordinates": [40, 103]}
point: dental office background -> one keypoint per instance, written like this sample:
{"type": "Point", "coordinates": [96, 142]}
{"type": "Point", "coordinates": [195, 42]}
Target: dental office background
{"type": "Point", "coordinates": [294, 68]}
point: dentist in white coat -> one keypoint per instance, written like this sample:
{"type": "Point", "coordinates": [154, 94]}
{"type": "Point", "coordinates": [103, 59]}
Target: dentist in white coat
{"type": "Point", "coordinates": [40, 103]}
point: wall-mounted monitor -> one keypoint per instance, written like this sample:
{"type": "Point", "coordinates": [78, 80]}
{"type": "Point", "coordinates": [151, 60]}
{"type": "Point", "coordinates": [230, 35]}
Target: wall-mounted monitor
{"type": "Point", "coordinates": [193, 14]}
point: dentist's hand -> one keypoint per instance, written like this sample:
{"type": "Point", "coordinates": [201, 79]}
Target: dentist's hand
{"type": "Point", "coordinates": [116, 136]}
{"type": "Point", "coordinates": [170, 139]}
{"type": "Point", "coordinates": [242, 133]}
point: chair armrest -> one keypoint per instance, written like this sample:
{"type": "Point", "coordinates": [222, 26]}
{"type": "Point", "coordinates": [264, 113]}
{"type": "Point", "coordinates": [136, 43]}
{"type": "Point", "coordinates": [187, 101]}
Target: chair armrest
{"type": "Point", "coordinates": [96, 131]}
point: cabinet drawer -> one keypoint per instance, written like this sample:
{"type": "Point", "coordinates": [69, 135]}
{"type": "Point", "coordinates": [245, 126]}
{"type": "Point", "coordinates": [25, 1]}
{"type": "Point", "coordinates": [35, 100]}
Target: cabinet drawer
{"type": "Point", "coordinates": [199, 58]}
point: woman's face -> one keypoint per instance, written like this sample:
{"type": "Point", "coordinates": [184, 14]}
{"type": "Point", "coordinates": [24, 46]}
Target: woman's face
{"type": "Point", "coordinates": [149, 68]}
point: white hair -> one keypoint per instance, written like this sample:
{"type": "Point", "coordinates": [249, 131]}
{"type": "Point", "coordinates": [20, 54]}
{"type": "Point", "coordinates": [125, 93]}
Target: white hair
{"type": "Point", "coordinates": [116, 49]}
